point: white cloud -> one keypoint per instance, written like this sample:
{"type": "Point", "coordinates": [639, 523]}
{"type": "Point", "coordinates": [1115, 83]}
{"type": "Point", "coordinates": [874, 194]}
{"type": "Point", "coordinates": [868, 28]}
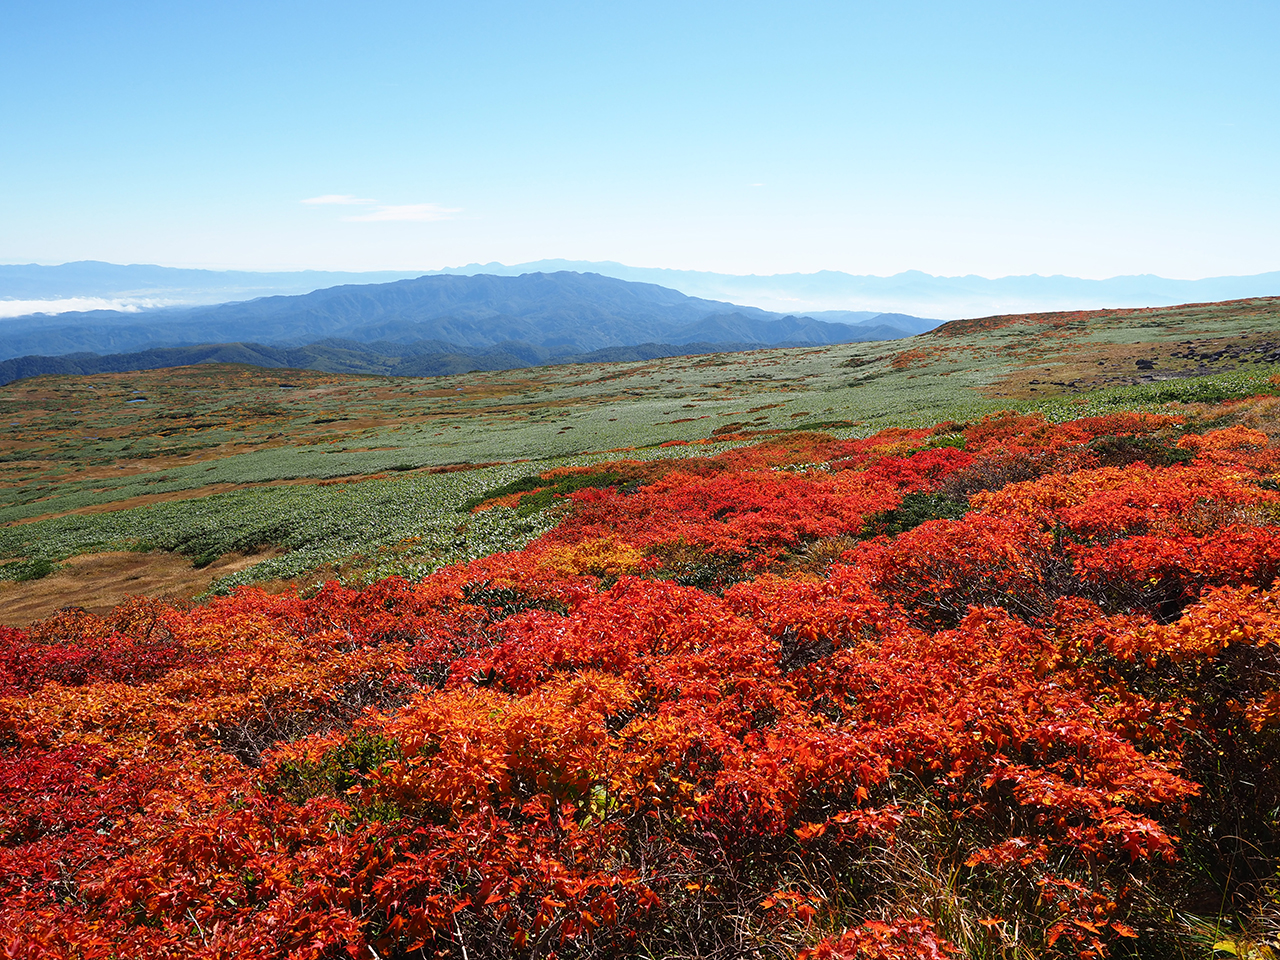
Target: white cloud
{"type": "Point", "coordinates": [24, 308]}
{"type": "Point", "coordinates": [345, 199]}
{"type": "Point", "coordinates": [408, 211]}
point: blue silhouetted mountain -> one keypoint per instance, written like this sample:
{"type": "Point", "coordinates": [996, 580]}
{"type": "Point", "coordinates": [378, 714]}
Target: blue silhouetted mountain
{"type": "Point", "coordinates": [561, 315]}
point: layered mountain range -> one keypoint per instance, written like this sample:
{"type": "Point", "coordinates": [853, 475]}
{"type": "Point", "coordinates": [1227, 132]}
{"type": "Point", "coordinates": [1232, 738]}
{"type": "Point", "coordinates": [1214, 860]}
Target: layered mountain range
{"type": "Point", "coordinates": [88, 284]}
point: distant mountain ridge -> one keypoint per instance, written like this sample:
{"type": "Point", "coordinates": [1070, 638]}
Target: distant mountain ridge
{"type": "Point", "coordinates": [915, 292]}
{"type": "Point", "coordinates": [829, 295]}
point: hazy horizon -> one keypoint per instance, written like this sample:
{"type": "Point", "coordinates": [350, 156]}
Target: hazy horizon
{"type": "Point", "coordinates": [477, 266]}
{"type": "Point", "coordinates": [95, 285]}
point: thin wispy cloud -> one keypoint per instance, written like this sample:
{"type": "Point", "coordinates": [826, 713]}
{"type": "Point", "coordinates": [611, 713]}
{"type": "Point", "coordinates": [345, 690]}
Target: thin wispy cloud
{"type": "Point", "coordinates": [343, 199]}
{"type": "Point", "coordinates": [421, 212]}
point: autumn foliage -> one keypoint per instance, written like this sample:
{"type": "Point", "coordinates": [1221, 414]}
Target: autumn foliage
{"type": "Point", "coordinates": [931, 693]}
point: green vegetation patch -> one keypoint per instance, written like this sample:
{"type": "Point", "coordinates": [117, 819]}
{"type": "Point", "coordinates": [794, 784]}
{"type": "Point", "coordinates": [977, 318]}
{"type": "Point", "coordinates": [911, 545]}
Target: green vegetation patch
{"type": "Point", "coordinates": [406, 524]}
{"type": "Point", "coordinates": [319, 526]}
{"type": "Point", "coordinates": [540, 492]}
{"type": "Point", "coordinates": [1155, 451]}
{"type": "Point", "coordinates": [1214, 388]}
{"type": "Point", "coordinates": [35, 568]}
{"type": "Point", "coordinates": [1164, 396]}
{"type": "Point", "coordinates": [338, 770]}
{"type": "Point", "coordinates": [915, 509]}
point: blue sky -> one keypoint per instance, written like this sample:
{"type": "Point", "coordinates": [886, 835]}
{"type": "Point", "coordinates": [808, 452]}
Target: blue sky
{"type": "Point", "coordinates": [1089, 139]}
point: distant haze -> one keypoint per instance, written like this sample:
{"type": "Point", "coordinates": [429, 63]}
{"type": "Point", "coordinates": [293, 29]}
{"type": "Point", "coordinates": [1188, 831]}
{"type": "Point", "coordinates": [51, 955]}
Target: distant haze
{"type": "Point", "coordinates": [916, 293]}
{"type": "Point", "coordinates": [92, 285]}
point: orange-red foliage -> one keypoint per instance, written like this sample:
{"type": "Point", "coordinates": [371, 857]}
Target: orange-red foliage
{"type": "Point", "coordinates": [646, 720]}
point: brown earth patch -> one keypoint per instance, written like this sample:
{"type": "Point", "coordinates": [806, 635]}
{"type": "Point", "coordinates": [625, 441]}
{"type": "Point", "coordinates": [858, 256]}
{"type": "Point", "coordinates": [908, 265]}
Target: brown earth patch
{"type": "Point", "coordinates": [98, 582]}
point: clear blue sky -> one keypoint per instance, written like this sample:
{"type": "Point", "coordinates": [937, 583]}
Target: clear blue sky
{"type": "Point", "coordinates": [1089, 139]}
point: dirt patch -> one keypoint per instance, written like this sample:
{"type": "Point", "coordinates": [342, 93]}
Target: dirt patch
{"type": "Point", "coordinates": [100, 581]}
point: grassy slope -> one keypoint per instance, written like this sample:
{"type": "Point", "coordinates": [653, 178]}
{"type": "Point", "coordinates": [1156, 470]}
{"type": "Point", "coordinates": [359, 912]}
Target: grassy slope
{"type": "Point", "coordinates": [211, 459]}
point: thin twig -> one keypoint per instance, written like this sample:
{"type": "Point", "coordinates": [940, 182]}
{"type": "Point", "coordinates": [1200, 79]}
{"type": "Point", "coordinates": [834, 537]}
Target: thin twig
{"type": "Point", "coordinates": [462, 943]}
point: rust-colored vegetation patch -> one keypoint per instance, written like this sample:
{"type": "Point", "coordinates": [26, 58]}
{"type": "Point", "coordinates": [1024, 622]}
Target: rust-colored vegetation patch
{"type": "Point", "coordinates": [99, 582]}
{"type": "Point", "coordinates": [1072, 319]}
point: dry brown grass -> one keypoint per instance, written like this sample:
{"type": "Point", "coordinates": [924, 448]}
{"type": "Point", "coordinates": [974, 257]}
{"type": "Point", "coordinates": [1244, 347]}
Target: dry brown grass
{"type": "Point", "coordinates": [98, 582]}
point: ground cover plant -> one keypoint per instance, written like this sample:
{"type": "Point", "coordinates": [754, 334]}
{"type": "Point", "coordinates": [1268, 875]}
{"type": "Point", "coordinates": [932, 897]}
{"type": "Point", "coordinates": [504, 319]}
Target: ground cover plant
{"type": "Point", "coordinates": [1007, 687]}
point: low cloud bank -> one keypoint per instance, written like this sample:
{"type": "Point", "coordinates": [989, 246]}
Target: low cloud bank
{"type": "Point", "coordinates": [25, 308]}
